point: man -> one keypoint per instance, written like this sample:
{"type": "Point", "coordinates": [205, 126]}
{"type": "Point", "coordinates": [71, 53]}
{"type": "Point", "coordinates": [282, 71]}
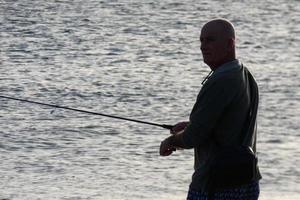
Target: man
{"type": "Point", "coordinates": [218, 116]}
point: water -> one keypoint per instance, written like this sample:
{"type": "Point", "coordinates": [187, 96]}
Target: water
{"type": "Point", "coordinates": [137, 59]}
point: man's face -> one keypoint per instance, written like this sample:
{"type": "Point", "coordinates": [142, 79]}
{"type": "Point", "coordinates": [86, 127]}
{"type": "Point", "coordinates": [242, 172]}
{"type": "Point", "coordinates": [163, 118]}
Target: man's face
{"type": "Point", "coordinates": [214, 46]}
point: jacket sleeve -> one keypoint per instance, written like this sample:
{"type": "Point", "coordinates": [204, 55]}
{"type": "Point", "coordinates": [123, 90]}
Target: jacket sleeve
{"type": "Point", "coordinates": [211, 103]}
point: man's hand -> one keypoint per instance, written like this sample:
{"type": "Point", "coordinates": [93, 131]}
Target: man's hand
{"type": "Point", "coordinates": [173, 142]}
{"type": "Point", "coordinates": [166, 148]}
{"type": "Point", "coordinates": [179, 127]}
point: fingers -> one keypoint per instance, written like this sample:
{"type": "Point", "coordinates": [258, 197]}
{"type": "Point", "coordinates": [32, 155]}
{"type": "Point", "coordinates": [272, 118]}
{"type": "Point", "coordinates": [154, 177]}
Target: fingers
{"type": "Point", "coordinates": [166, 153]}
{"type": "Point", "coordinates": [165, 148]}
{"type": "Point", "coordinates": [179, 127]}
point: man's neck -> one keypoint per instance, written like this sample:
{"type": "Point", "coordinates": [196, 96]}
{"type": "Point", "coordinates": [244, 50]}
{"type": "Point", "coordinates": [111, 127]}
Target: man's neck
{"type": "Point", "coordinates": [217, 65]}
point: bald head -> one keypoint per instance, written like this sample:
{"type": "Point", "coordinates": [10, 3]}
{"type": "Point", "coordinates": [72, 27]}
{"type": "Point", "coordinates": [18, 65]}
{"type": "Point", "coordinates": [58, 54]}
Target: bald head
{"type": "Point", "coordinates": [217, 42]}
{"type": "Point", "coordinates": [222, 26]}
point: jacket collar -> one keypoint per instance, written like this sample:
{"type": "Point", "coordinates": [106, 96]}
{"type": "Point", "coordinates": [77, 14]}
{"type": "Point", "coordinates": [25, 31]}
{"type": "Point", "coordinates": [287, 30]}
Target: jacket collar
{"type": "Point", "coordinates": [235, 64]}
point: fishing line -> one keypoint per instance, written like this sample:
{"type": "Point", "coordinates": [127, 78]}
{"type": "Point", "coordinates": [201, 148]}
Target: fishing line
{"type": "Point", "coordinates": [87, 112]}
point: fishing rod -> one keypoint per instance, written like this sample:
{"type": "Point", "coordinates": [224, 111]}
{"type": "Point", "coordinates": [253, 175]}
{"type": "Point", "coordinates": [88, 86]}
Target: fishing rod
{"type": "Point", "coordinates": [87, 112]}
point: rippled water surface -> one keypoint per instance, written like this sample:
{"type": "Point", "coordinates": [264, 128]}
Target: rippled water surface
{"type": "Point", "coordinates": [137, 59]}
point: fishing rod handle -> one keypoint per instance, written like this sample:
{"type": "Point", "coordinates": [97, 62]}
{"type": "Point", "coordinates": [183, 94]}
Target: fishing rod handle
{"type": "Point", "coordinates": [167, 126]}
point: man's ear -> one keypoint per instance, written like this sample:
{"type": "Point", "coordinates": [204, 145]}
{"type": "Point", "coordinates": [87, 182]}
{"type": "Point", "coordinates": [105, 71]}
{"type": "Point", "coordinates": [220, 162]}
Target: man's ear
{"type": "Point", "coordinates": [231, 43]}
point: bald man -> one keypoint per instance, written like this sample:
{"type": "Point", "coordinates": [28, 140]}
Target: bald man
{"type": "Point", "coordinates": [218, 119]}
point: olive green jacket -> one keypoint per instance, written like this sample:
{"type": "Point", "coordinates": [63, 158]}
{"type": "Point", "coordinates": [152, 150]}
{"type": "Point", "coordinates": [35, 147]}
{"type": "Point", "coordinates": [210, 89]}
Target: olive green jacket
{"type": "Point", "coordinates": [217, 118]}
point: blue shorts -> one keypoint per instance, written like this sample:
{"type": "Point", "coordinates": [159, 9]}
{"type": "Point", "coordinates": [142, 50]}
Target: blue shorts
{"type": "Point", "coordinates": [245, 192]}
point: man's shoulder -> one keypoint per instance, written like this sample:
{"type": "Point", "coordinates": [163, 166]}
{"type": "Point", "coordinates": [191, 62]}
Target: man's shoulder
{"type": "Point", "coordinates": [224, 79]}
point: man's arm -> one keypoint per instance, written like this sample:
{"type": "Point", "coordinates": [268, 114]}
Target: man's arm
{"type": "Point", "coordinates": [211, 103]}
{"type": "Point", "coordinates": [175, 141]}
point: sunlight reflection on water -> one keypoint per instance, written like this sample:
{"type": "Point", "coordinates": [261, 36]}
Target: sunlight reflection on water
{"type": "Point", "coordinates": [140, 60]}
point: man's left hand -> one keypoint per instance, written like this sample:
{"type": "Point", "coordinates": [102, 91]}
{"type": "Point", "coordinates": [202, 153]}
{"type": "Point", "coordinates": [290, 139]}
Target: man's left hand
{"type": "Point", "coordinates": [166, 148]}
